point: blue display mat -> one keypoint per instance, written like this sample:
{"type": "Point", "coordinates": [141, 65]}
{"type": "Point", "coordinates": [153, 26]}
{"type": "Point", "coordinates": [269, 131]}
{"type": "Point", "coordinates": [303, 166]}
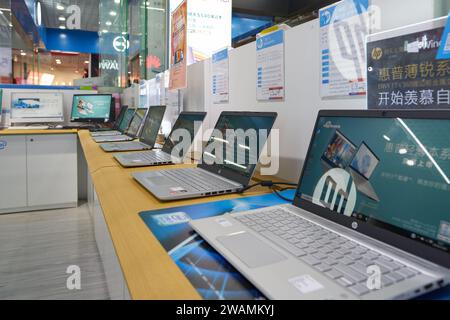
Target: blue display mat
{"type": "Point", "coordinates": [210, 274]}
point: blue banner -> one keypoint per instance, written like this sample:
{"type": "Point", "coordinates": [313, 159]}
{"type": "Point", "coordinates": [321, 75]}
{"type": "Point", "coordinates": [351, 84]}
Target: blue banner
{"type": "Point", "coordinates": [444, 49]}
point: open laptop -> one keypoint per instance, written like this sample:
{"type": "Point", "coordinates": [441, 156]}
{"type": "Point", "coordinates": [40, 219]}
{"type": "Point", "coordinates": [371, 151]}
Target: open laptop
{"type": "Point", "coordinates": [148, 136]}
{"type": "Point", "coordinates": [354, 248]}
{"type": "Point", "coordinates": [115, 130]}
{"type": "Point", "coordinates": [217, 174]}
{"type": "Point", "coordinates": [189, 121]}
{"type": "Point", "coordinates": [131, 133]}
{"type": "Point", "coordinates": [362, 168]}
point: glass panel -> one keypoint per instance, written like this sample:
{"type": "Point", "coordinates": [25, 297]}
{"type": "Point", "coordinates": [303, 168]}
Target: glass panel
{"type": "Point", "coordinates": [5, 42]}
{"type": "Point", "coordinates": [156, 61]}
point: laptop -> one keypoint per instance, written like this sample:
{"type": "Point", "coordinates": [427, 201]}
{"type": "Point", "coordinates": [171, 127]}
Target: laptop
{"type": "Point", "coordinates": [189, 121]}
{"type": "Point", "coordinates": [354, 248]}
{"type": "Point", "coordinates": [362, 168]}
{"type": "Point", "coordinates": [115, 129]}
{"type": "Point", "coordinates": [148, 136]}
{"type": "Point", "coordinates": [219, 172]}
{"type": "Point", "coordinates": [132, 131]}
{"type": "Point", "coordinates": [339, 152]}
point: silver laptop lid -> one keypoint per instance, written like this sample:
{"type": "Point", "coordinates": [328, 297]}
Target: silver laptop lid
{"type": "Point", "coordinates": [152, 124]}
{"type": "Point", "coordinates": [405, 156]}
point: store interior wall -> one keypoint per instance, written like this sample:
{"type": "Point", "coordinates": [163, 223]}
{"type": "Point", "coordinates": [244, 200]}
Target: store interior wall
{"type": "Point", "coordinates": [298, 112]}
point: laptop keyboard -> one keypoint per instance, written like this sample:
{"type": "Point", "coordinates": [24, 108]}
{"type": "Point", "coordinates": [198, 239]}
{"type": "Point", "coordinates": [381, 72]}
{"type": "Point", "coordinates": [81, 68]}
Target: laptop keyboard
{"type": "Point", "coordinates": [197, 180]}
{"type": "Point", "coordinates": [341, 259]}
{"type": "Point", "coordinates": [154, 157]}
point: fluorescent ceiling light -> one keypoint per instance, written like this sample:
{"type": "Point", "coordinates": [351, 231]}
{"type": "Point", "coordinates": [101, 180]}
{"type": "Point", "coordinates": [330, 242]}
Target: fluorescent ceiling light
{"type": "Point", "coordinates": [113, 13]}
{"type": "Point", "coordinates": [86, 62]}
{"type": "Point", "coordinates": [62, 27]}
{"type": "Point", "coordinates": [386, 138]}
{"type": "Point", "coordinates": [60, 7]}
{"type": "Point", "coordinates": [117, 1]}
{"type": "Point", "coordinates": [105, 31]}
{"type": "Point", "coordinates": [420, 144]}
{"type": "Point", "coordinates": [61, 18]}
{"type": "Point", "coordinates": [23, 54]}
{"type": "Point", "coordinates": [108, 23]}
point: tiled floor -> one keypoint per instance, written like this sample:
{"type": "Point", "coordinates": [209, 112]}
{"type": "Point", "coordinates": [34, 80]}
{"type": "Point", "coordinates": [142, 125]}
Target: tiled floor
{"type": "Point", "coordinates": [36, 248]}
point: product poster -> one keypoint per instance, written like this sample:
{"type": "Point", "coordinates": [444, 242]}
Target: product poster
{"type": "Point", "coordinates": [178, 76]}
{"type": "Point", "coordinates": [210, 274]}
{"type": "Point", "coordinates": [343, 28]}
{"type": "Point", "coordinates": [403, 71]}
{"type": "Point", "coordinates": [444, 49]}
{"type": "Point", "coordinates": [270, 67]}
{"type": "Point", "coordinates": [220, 77]}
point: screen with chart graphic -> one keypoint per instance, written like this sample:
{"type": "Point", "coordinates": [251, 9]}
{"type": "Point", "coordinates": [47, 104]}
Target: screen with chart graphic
{"type": "Point", "coordinates": [92, 108]}
{"type": "Point", "coordinates": [32, 107]}
{"type": "Point", "coordinates": [398, 176]}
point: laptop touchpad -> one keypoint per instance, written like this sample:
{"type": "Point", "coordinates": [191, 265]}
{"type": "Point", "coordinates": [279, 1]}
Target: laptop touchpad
{"type": "Point", "coordinates": [250, 250]}
{"type": "Point", "coordinates": [160, 181]}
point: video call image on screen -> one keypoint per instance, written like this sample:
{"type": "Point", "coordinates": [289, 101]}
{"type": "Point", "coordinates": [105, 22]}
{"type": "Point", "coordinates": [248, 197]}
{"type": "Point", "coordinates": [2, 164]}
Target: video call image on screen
{"type": "Point", "coordinates": [245, 159]}
{"type": "Point", "coordinates": [91, 107]}
{"type": "Point", "coordinates": [36, 106]}
{"type": "Point", "coordinates": [340, 151]}
{"type": "Point", "coordinates": [186, 122]}
{"type": "Point", "coordinates": [405, 161]}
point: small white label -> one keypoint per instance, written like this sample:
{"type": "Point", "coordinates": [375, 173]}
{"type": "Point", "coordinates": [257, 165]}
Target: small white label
{"type": "Point", "coordinates": [306, 284]}
{"type": "Point", "coordinates": [413, 47]}
{"type": "Point", "coordinates": [224, 222]}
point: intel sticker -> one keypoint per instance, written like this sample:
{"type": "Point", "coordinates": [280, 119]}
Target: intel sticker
{"type": "Point", "coordinates": [171, 219]}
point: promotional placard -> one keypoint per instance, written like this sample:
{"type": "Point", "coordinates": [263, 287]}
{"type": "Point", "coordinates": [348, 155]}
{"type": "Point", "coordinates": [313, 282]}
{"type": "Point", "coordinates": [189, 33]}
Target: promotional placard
{"type": "Point", "coordinates": [178, 76]}
{"type": "Point", "coordinates": [403, 72]}
{"type": "Point", "coordinates": [220, 77]}
{"type": "Point", "coordinates": [343, 28]}
{"type": "Point", "coordinates": [270, 67]}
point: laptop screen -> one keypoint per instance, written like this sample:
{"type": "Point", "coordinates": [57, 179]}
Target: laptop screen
{"type": "Point", "coordinates": [406, 166]}
{"type": "Point", "coordinates": [135, 124]}
{"type": "Point", "coordinates": [152, 124]}
{"type": "Point", "coordinates": [126, 120]}
{"type": "Point", "coordinates": [187, 122]}
{"type": "Point", "coordinates": [238, 155]}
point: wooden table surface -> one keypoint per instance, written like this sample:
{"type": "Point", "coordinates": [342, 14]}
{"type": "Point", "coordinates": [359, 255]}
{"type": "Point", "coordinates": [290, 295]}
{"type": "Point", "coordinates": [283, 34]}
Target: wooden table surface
{"type": "Point", "coordinates": [149, 271]}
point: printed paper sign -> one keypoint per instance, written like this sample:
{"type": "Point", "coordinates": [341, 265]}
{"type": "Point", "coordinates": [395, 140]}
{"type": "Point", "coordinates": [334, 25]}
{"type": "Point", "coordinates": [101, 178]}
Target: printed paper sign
{"type": "Point", "coordinates": [220, 77]}
{"type": "Point", "coordinates": [270, 67]}
{"type": "Point", "coordinates": [178, 79]}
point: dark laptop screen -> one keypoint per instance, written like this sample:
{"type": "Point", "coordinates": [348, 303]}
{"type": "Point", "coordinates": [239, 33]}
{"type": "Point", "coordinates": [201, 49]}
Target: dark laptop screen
{"type": "Point", "coordinates": [406, 166]}
{"type": "Point", "coordinates": [152, 124]}
{"type": "Point", "coordinates": [238, 156]}
{"type": "Point", "coordinates": [135, 124]}
{"type": "Point", "coordinates": [126, 120]}
{"type": "Point", "coordinates": [186, 121]}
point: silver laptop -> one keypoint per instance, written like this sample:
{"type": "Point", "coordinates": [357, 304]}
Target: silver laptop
{"type": "Point", "coordinates": [131, 133]}
{"type": "Point", "coordinates": [116, 129]}
{"type": "Point", "coordinates": [354, 247]}
{"type": "Point", "coordinates": [189, 121]}
{"type": "Point", "coordinates": [147, 137]}
{"type": "Point", "coordinates": [219, 173]}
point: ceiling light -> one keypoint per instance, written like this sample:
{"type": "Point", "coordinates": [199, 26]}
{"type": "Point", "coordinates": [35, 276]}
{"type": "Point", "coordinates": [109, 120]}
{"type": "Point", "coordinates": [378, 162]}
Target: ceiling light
{"type": "Point", "coordinates": [117, 1]}
{"type": "Point", "coordinates": [105, 31]}
{"type": "Point", "coordinates": [23, 54]}
{"type": "Point", "coordinates": [411, 163]}
{"type": "Point", "coordinates": [62, 27]}
{"type": "Point", "coordinates": [60, 7]}
{"type": "Point", "coordinates": [386, 138]}
{"type": "Point", "coordinates": [113, 13]}
{"type": "Point", "coordinates": [403, 151]}
{"type": "Point", "coordinates": [61, 18]}
{"type": "Point", "coordinates": [86, 62]}
{"type": "Point", "coordinates": [108, 23]}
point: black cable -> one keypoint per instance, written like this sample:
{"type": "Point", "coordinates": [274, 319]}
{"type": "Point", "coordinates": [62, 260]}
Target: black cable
{"type": "Point", "coordinates": [278, 193]}
{"type": "Point", "coordinates": [268, 184]}
{"type": "Point", "coordinates": [271, 184]}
